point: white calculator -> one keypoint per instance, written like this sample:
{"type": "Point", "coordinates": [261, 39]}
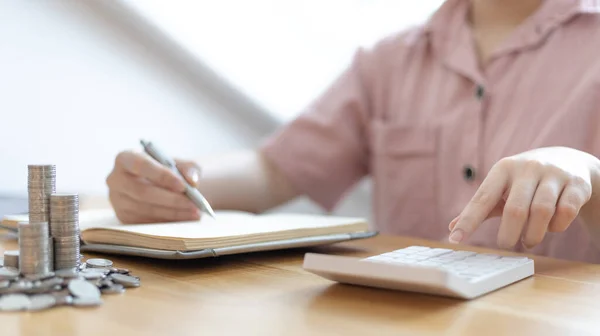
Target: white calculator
{"type": "Point", "coordinates": [437, 271]}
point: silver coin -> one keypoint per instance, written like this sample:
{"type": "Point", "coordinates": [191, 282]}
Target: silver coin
{"type": "Point", "coordinates": [63, 300]}
{"type": "Point", "coordinates": [92, 275]}
{"type": "Point", "coordinates": [66, 282]}
{"type": "Point", "coordinates": [87, 301]}
{"type": "Point", "coordinates": [22, 283]}
{"type": "Point", "coordinates": [99, 263]}
{"type": "Point", "coordinates": [17, 287]}
{"type": "Point", "coordinates": [41, 302]}
{"type": "Point", "coordinates": [14, 302]}
{"type": "Point", "coordinates": [8, 290]}
{"type": "Point", "coordinates": [125, 280]}
{"type": "Point", "coordinates": [7, 273]}
{"type": "Point", "coordinates": [105, 282]}
{"type": "Point", "coordinates": [43, 276]}
{"type": "Point", "coordinates": [83, 289]}
{"type": "Point", "coordinates": [36, 289]}
{"type": "Point", "coordinates": [113, 289]}
{"type": "Point", "coordinates": [67, 273]}
{"type": "Point", "coordinates": [103, 271]}
{"type": "Point", "coordinates": [52, 282]}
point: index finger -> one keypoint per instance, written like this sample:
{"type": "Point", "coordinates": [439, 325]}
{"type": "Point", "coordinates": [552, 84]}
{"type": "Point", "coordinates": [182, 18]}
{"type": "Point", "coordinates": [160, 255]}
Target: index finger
{"type": "Point", "coordinates": [481, 205]}
{"type": "Point", "coordinates": [144, 166]}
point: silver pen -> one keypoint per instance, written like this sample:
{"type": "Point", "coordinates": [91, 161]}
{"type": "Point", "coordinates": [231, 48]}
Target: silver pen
{"type": "Point", "coordinates": [191, 192]}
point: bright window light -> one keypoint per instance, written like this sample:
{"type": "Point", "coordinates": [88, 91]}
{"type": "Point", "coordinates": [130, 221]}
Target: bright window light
{"type": "Point", "coordinates": [280, 53]}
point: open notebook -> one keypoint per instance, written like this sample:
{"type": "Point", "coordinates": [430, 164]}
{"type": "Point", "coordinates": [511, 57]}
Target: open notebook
{"type": "Point", "coordinates": [232, 232]}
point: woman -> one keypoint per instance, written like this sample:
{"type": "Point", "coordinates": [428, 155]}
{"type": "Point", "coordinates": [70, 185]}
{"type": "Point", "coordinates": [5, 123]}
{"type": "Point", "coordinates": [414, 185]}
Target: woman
{"type": "Point", "coordinates": [483, 124]}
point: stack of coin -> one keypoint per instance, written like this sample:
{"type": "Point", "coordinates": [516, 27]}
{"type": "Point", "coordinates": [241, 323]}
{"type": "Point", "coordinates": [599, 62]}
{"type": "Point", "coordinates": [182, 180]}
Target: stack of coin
{"type": "Point", "coordinates": [41, 183]}
{"type": "Point", "coordinates": [11, 259]}
{"type": "Point", "coordinates": [35, 255]}
{"type": "Point", "coordinates": [64, 228]}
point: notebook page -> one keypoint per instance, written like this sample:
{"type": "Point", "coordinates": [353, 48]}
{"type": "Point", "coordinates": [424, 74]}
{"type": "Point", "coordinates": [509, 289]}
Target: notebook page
{"type": "Point", "coordinates": [101, 218]}
{"type": "Point", "coordinates": [309, 220]}
{"type": "Point", "coordinates": [87, 219]}
{"type": "Point", "coordinates": [231, 225]}
{"type": "Point", "coordinates": [107, 218]}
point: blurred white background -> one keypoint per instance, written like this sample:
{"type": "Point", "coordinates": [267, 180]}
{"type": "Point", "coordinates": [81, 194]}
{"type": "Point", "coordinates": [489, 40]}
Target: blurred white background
{"type": "Point", "coordinates": [82, 80]}
{"type": "Point", "coordinates": [279, 53]}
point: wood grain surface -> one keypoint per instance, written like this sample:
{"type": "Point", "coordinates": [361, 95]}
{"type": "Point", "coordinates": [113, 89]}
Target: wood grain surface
{"type": "Point", "coordinates": [270, 294]}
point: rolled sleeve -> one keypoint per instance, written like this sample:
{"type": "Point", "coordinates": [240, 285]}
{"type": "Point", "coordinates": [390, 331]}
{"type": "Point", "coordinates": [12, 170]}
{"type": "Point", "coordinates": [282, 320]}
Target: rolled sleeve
{"type": "Point", "coordinates": [324, 151]}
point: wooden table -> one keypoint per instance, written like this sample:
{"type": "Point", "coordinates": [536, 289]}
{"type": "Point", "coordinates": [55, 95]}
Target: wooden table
{"type": "Point", "coordinates": [270, 294]}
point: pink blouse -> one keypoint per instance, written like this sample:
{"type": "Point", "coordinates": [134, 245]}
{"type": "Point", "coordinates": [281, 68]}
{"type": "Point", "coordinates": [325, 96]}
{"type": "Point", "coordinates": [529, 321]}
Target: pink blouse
{"type": "Point", "coordinates": [418, 115]}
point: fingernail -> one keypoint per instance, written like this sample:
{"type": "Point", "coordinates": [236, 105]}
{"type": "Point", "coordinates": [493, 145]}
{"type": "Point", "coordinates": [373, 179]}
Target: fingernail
{"type": "Point", "coordinates": [456, 236]}
{"type": "Point", "coordinates": [453, 223]}
{"type": "Point", "coordinates": [193, 175]}
{"type": "Point", "coordinates": [527, 246]}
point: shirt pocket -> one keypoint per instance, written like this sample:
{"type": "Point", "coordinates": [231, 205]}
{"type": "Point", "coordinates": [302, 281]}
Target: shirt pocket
{"type": "Point", "coordinates": [404, 167]}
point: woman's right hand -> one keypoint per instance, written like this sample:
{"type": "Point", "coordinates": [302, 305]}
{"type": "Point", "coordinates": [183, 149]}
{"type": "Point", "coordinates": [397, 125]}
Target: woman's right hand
{"type": "Point", "coordinates": [142, 190]}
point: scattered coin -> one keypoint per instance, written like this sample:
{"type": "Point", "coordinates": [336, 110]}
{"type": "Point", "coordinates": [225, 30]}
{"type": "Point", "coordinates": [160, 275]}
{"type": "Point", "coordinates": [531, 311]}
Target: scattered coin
{"type": "Point", "coordinates": [41, 302]}
{"type": "Point", "coordinates": [7, 273]}
{"type": "Point", "coordinates": [113, 289]}
{"type": "Point", "coordinates": [125, 280]}
{"type": "Point", "coordinates": [14, 302]}
{"type": "Point", "coordinates": [105, 282]}
{"type": "Point", "coordinates": [51, 283]}
{"type": "Point", "coordinates": [92, 275]}
{"type": "Point", "coordinates": [103, 271]}
{"type": "Point", "coordinates": [69, 287]}
{"type": "Point", "coordinates": [63, 299]}
{"type": "Point", "coordinates": [83, 289]}
{"type": "Point", "coordinates": [87, 301]}
{"type": "Point", "coordinates": [98, 263]}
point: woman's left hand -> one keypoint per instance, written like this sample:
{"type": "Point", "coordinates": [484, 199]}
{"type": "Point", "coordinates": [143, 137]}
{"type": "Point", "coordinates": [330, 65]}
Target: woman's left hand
{"type": "Point", "coordinates": [535, 192]}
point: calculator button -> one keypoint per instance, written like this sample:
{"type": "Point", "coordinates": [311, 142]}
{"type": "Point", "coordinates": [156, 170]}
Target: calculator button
{"type": "Point", "coordinates": [413, 249]}
{"type": "Point", "coordinates": [463, 254]}
{"type": "Point", "coordinates": [434, 252]}
{"type": "Point", "coordinates": [429, 263]}
{"type": "Point", "coordinates": [465, 264]}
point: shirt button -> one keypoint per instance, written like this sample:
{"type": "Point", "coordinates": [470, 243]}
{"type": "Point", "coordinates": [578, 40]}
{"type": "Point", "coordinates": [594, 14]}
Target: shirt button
{"type": "Point", "coordinates": [469, 173]}
{"type": "Point", "coordinates": [479, 92]}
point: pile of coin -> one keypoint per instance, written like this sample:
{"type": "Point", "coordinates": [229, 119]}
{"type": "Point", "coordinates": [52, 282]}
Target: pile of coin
{"type": "Point", "coordinates": [47, 271]}
{"type": "Point", "coordinates": [82, 286]}
{"type": "Point", "coordinates": [41, 183]}
{"type": "Point", "coordinates": [64, 228]}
